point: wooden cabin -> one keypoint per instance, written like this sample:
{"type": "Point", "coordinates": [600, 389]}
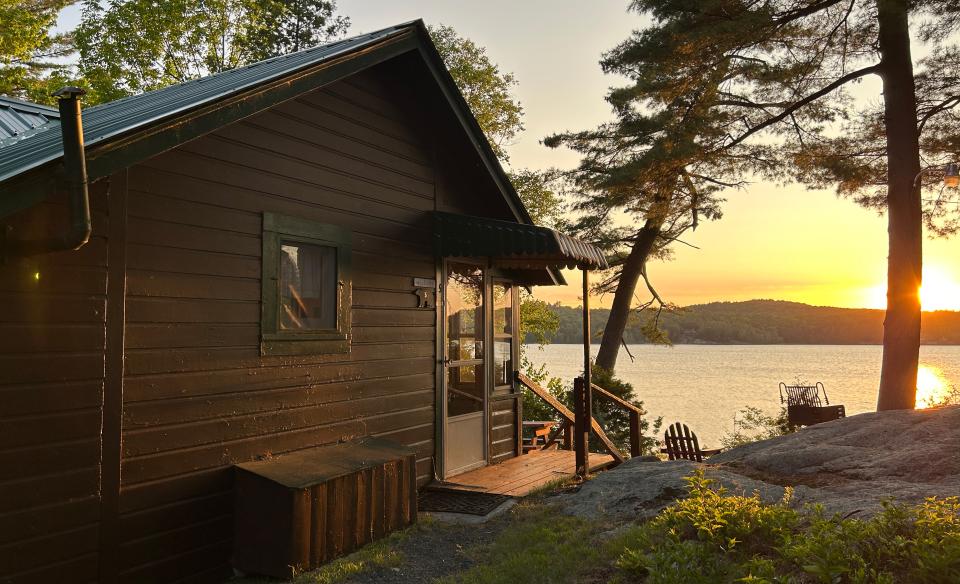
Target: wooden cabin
{"type": "Point", "coordinates": [312, 249]}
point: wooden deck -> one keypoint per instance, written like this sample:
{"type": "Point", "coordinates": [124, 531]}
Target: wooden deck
{"type": "Point", "coordinates": [519, 475]}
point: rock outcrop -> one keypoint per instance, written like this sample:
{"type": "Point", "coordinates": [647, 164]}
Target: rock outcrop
{"type": "Point", "coordinates": [849, 466]}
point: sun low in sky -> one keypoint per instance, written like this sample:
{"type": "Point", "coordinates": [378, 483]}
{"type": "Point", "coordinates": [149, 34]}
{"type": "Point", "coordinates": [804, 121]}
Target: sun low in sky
{"type": "Point", "coordinates": [940, 291]}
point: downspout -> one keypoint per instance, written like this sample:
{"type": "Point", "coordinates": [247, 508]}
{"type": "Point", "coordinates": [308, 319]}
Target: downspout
{"type": "Point", "coordinates": [75, 179]}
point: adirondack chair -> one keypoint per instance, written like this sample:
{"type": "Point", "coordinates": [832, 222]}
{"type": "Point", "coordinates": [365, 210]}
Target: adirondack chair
{"type": "Point", "coordinates": [804, 406]}
{"type": "Point", "coordinates": [681, 444]}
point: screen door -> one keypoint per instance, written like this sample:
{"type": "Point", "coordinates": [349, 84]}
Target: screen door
{"type": "Point", "coordinates": [464, 369]}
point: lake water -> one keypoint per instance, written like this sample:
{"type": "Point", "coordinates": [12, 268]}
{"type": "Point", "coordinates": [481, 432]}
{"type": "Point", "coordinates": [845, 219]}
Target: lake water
{"type": "Point", "coordinates": [705, 385]}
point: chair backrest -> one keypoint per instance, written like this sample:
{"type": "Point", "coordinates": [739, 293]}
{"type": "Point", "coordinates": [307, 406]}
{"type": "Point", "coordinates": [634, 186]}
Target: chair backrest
{"type": "Point", "coordinates": [803, 395]}
{"type": "Point", "coordinates": [681, 443]}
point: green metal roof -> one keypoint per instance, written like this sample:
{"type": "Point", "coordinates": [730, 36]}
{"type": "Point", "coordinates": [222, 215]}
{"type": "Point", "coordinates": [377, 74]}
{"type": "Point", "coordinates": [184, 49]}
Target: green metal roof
{"type": "Point", "coordinates": [18, 117]}
{"type": "Point", "coordinates": [125, 131]}
{"type": "Point", "coordinates": [515, 245]}
{"type": "Point", "coordinates": [103, 122]}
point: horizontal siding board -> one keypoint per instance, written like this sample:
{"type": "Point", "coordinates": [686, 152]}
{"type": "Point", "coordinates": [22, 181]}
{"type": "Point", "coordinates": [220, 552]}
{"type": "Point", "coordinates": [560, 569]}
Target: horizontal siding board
{"type": "Point", "coordinates": [178, 235]}
{"type": "Point", "coordinates": [157, 203]}
{"type": "Point", "coordinates": [192, 310]}
{"type": "Point", "coordinates": [318, 114]}
{"type": "Point", "coordinates": [171, 285]}
{"type": "Point", "coordinates": [186, 335]}
{"type": "Point", "coordinates": [286, 137]}
{"type": "Point", "coordinates": [161, 518]}
{"type": "Point", "coordinates": [49, 458]}
{"type": "Point", "coordinates": [32, 430]}
{"type": "Point", "coordinates": [145, 257]}
{"type": "Point", "coordinates": [39, 277]}
{"type": "Point", "coordinates": [147, 496]}
{"type": "Point", "coordinates": [236, 168]}
{"type": "Point", "coordinates": [338, 366]}
{"type": "Point", "coordinates": [43, 308]}
{"type": "Point", "coordinates": [51, 548]}
{"type": "Point", "coordinates": [362, 108]}
{"type": "Point", "coordinates": [150, 468]}
{"type": "Point", "coordinates": [151, 440]}
{"type": "Point", "coordinates": [49, 337]}
{"type": "Point", "coordinates": [45, 367]}
{"type": "Point", "coordinates": [37, 491]}
{"type": "Point", "coordinates": [33, 522]}
{"type": "Point", "coordinates": [40, 398]}
{"type": "Point", "coordinates": [187, 565]}
{"type": "Point", "coordinates": [246, 401]}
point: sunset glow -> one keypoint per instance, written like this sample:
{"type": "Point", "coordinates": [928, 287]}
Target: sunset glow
{"type": "Point", "coordinates": [932, 387]}
{"type": "Point", "coordinates": [940, 291]}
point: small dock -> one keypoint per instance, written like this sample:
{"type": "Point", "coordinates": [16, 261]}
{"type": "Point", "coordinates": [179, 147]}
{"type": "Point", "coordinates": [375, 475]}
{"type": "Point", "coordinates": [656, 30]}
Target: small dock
{"type": "Point", "coordinates": [518, 476]}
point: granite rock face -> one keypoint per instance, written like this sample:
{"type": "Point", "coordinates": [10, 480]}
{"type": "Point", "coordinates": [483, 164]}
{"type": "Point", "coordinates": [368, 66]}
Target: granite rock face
{"type": "Point", "coordinates": [849, 466]}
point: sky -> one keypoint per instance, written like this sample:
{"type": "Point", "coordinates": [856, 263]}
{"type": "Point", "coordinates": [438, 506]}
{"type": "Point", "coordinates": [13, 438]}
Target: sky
{"type": "Point", "coordinates": [779, 242]}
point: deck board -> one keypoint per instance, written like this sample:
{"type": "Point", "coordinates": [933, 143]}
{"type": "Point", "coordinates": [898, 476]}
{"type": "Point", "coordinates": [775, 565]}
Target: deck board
{"type": "Point", "coordinates": [519, 475]}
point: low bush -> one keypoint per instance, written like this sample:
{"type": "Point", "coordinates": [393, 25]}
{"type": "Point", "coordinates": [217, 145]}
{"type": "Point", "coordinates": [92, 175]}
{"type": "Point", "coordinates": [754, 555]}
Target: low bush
{"type": "Point", "coordinates": [751, 424]}
{"type": "Point", "coordinates": [713, 536]}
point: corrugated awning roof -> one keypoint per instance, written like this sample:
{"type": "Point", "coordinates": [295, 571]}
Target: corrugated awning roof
{"type": "Point", "coordinates": [513, 245]}
{"type": "Point", "coordinates": [18, 117]}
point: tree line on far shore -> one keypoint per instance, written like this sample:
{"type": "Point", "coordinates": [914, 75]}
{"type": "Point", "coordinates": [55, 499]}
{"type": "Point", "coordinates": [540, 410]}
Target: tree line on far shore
{"type": "Point", "coordinates": [759, 322]}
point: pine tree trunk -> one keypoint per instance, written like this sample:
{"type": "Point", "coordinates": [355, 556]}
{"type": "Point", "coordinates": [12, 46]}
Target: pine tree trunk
{"type": "Point", "coordinates": [623, 297]}
{"type": "Point", "coordinates": [901, 327]}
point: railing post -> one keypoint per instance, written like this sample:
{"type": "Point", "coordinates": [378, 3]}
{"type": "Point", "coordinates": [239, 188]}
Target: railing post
{"type": "Point", "coordinates": [581, 433]}
{"type": "Point", "coordinates": [634, 433]}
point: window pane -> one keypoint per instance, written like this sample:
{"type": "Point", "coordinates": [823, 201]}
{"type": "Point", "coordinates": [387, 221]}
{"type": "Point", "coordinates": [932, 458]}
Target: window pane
{"type": "Point", "coordinates": [502, 309]}
{"type": "Point", "coordinates": [464, 390]}
{"type": "Point", "coordinates": [502, 363]}
{"type": "Point", "coordinates": [308, 286]}
{"type": "Point", "coordinates": [464, 303]}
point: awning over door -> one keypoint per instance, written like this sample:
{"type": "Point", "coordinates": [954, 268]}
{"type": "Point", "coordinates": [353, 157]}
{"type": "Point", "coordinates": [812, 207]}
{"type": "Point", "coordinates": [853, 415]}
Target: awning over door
{"type": "Point", "coordinates": [512, 245]}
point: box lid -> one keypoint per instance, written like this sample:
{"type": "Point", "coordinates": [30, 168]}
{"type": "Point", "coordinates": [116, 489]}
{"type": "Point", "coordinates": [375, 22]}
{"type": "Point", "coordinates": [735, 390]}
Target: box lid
{"type": "Point", "coordinates": [305, 468]}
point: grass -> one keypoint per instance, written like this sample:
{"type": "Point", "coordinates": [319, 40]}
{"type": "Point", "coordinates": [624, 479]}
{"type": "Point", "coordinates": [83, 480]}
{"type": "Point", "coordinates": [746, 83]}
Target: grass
{"type": "Point", "coordinates": [709, 536]}
{"type": "Point", "coordinates": [383, 553]}
{"type": "Point", "coordinates": [539, 545]}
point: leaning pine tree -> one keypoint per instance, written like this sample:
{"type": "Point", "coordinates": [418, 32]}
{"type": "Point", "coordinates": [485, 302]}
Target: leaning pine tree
{"type": "Point", "coordinates": [777, 74]}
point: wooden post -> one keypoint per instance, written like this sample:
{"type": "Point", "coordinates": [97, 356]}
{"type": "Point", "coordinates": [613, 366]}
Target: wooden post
{"type": "Point", "coordinates": [581, 429]}
{"type": "Point", "coordinates": [583, 391]}
{"type": "Point", "coordinates": [634, 433]}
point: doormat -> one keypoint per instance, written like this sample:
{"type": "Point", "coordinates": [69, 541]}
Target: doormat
{"type": "Point", "coordinates": [451, 501]}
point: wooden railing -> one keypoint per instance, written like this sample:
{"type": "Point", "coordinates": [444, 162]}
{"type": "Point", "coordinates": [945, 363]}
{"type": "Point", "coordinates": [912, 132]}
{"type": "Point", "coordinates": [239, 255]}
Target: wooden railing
{"type": "Point", "coordinates": [634, 412]}
{"type": "Point", "coordinates": [568, 419]}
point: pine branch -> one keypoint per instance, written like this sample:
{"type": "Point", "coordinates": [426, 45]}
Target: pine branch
{"type": "Point", "coordinates": [839, 82]}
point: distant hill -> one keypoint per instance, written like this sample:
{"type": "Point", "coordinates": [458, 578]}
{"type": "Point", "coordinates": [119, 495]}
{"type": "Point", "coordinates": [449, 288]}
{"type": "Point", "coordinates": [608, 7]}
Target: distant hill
{"type": "Point", "coordinates": [759, 322]}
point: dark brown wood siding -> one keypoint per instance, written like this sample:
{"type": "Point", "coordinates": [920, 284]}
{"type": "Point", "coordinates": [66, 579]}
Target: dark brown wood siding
{"type": "Point", "coordinates": [198, 395]}
{"type": "Point", "coordinates": [52, 334]}
{"type": "Point", "coordinates": [503, 428]}
{"type": "Point", "coordinates": [374, 154]}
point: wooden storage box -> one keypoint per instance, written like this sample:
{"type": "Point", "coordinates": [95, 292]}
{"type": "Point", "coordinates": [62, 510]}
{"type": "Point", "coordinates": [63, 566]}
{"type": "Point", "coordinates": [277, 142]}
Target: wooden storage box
{"type": "Point", "coordinates": [300, 510]}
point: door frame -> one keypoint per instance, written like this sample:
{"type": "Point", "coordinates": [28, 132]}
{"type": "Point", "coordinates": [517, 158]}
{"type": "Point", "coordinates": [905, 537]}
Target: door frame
{"type": "Point", "coordinates": [443, 363]}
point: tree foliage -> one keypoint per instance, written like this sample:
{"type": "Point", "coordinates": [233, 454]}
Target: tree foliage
{"type": "Point", "coordinates": [763, 88]}
{"type": "Point", "coordinates": [32, 55]}
{"type": "Point", "coordinates": [487, 90]}
{"type": "Point", "coordinates": [758, 322]}
{"type": "Point", "coordinates": [131, 46]}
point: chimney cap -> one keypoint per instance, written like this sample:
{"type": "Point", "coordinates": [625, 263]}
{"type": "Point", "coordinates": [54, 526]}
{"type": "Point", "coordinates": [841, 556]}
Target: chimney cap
{"type": "Point", "coordinates": [69, 92]}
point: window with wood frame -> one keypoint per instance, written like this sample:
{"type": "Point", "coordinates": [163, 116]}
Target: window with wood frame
{"type": "Point", "coordinates": [306, 287]}
{"type": "Point", "coordinates": [503, 334]}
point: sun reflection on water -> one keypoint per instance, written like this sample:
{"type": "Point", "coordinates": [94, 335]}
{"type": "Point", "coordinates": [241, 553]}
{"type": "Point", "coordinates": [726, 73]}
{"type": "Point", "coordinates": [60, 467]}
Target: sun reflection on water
{"type": "Point", "coordinates": [933, 388]}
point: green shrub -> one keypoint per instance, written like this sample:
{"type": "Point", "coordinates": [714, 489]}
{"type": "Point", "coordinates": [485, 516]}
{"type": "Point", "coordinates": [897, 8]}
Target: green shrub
{"type": "Point", "coordinates": [713, 536]}
{"type": "Point", "coordinates": [751, 424]}
{"type": "Point", "coordinates": [615, 421]}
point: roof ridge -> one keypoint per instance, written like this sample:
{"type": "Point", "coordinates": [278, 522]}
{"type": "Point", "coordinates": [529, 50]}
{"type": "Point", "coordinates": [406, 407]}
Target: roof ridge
{"type": "Point", "coordinates": [251, 66]}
